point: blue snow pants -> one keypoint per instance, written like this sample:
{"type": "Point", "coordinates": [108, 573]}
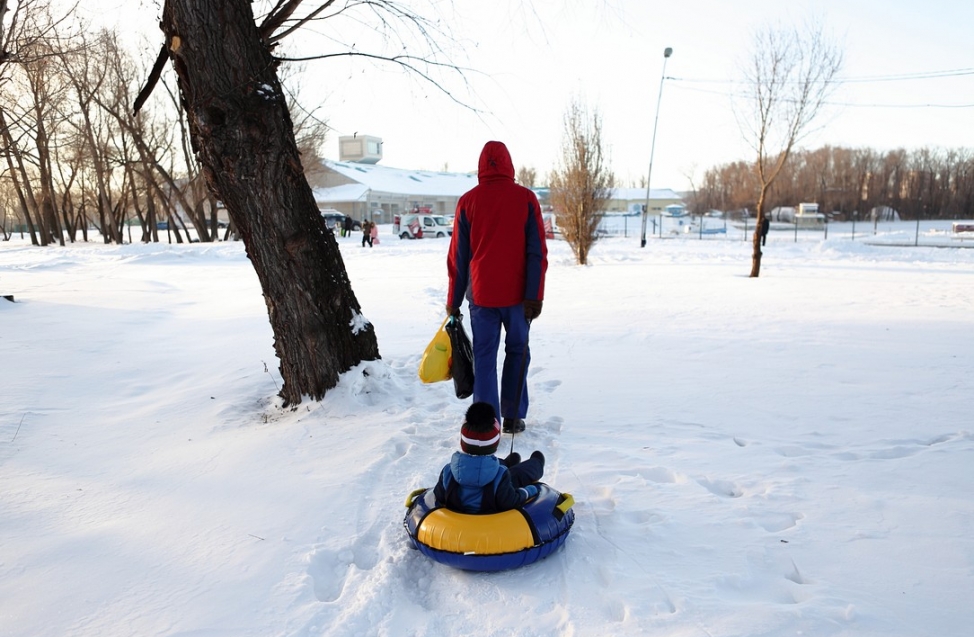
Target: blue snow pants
{"type": "Point", "coordinates": [485, 323]}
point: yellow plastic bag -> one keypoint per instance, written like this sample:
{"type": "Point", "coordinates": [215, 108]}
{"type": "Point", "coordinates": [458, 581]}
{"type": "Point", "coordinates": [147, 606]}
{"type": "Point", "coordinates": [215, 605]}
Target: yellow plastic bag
{"type": "Point", "coordinates": [437, 359]}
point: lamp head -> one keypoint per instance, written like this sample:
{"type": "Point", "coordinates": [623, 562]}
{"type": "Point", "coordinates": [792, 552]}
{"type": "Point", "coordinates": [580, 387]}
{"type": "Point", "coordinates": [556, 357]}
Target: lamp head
{"type": "Point", "coordinates": [667, 52]}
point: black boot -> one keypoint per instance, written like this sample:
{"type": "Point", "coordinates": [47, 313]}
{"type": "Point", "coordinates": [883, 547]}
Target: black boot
{"type": "Point", "coordinates": [513, 425]}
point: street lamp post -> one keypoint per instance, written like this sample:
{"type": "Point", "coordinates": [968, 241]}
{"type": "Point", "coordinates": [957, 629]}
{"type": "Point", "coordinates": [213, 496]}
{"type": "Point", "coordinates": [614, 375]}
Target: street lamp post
{"type": "Point", "coordinates": [667, 52]}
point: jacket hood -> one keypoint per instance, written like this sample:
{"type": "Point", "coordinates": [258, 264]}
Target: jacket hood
{"type": "Point", "coordinates": [495, 162]}
{"type": "Point", "coordinates": [473, 471]}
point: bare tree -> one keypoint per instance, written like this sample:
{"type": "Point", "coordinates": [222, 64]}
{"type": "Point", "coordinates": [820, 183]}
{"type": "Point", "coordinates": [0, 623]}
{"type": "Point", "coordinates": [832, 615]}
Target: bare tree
{"type": "Point", "coordinates": [86, 69]}
{"type": "Point", "coordinates": [45, 93]}
{"type": "Point", "coordinates": [527, 176]}
{"type": "Point", "coordinates": [19, 178]}
{"type": "Point", "coordinates": [791, 72]}
{"type": "Point", "coordinates": [582, 184]}
{"type": "Point", "coordinates": [26, 32]}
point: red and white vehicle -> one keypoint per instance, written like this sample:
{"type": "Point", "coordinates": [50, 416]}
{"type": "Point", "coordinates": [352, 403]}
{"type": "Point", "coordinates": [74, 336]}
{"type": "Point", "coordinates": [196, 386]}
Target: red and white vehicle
{"type": "Point", "coordinates": [418, 226]}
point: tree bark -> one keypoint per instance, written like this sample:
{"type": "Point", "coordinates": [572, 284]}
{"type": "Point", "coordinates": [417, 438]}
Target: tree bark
{"type": "Point", "coordinates": [243, 137]}
{"type": "Point", "coordinates": [756, 252]}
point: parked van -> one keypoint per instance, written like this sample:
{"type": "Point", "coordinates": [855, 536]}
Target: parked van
{"type": "Point", "coordinates": [417, 226]}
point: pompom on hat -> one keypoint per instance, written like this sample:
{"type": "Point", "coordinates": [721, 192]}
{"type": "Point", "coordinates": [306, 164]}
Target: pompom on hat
{"type": "Point", "coordinates": [480, 433]}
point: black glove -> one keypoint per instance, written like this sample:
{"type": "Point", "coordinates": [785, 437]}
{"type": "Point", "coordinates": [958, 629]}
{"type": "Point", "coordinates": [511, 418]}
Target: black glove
{"type": "Point", "coordinates": [511, 460]}
{"type": "Point", "coordinates": [452, 311]}
{"type": "Point", "coordinates": [532, 309]}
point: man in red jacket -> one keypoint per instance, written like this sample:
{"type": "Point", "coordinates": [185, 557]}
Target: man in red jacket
{"type": "Point", "coordinates": [498, 259]}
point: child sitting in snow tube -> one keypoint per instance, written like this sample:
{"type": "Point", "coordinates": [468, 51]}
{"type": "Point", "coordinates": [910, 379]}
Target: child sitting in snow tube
{"type": "Point", "coordinates": [484, 513]}
{"type": "Point", "coordinates": [475, 481]}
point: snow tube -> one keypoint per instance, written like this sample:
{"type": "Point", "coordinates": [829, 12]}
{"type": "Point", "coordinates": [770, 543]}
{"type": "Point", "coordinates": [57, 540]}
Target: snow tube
{"type": "Point", "coordinates": [490, 541]}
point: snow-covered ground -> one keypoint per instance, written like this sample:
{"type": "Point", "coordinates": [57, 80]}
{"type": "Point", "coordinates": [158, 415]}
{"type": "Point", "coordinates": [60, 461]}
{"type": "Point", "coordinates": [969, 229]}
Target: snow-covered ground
{"type": "Point", "coordinates": [788, 455]}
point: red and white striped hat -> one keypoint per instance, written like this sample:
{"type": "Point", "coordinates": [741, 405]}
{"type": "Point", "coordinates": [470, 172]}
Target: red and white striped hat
{"type": "Point", "coordinates": [480, 433]}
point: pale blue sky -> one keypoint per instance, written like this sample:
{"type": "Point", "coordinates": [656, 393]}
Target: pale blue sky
{"type": "Point", "coordinates": [532, 57]}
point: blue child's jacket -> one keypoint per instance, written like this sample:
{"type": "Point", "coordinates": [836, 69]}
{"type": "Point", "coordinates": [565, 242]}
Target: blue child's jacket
{"type": "Point", "coordinates": [477, 484]}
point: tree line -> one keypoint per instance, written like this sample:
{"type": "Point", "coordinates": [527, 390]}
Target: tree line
{"type": "Point", "coordinates": [925, 183]}
{"type": "Point", "coordinates": [74, 155]}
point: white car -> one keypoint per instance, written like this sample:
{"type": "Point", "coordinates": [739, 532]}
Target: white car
{"type": "Point", "coordinates": [418, 226]}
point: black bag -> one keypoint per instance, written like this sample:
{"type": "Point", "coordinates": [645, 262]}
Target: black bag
{"type": "Point", "coordinates": [462, 364]}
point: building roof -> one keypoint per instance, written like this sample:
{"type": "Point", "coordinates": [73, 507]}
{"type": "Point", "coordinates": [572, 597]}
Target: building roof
{"type": "Point", "coordinates": [636, 194]}
{"type": "Point", "coordinates": [399, 181]}
{"type": "Point", "coordinates": [346, 192]}
{"type": "Point", "coordinates": [405, 182]}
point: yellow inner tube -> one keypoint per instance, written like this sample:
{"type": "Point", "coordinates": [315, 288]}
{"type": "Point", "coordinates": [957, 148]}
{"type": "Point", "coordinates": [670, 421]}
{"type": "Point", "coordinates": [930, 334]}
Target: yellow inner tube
{"type": "Point", "coordinates": [488, 534]}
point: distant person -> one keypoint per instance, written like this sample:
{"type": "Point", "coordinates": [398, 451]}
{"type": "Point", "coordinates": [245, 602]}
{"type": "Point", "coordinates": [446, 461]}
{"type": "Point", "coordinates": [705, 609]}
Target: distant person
{"type": "Point", "coordinates": [475, 480]}
{"type": "Point", "coordinates": [374, 234]}
{"type": "Point", "coordinates": [366, 233]}
{"type": "Point", "coordinates": [347, 226]}
{"type": "Point", "coordinates": [765, 226]}
{"type": "Point", "coordinates": [498, 259]}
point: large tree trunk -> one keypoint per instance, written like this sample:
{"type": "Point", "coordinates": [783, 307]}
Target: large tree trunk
{"type": "Point", "coordinates": [244, 140]}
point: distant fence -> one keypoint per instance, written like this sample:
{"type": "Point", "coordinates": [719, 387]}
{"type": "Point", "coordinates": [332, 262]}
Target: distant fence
{"type": "Point", "coordinates": [934, 233]}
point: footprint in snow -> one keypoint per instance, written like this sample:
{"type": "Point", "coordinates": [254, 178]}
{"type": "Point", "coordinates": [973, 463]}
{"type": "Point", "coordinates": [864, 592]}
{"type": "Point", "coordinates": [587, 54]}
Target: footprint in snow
{"type": "Point", "coordinates": [554, 424]}
{"type": "Point", "coordinates": [776, 522]}
{"type": "Point", "coordinates": [328, 570]}
{"type": "Point", "coordinates": [329, 567]}
{"type": "Point", "coordinates": [660, 475]}
{"type": "Point", "coordinates": [549, 385]}
{"type": "Point", "coordinates": [722, 488]}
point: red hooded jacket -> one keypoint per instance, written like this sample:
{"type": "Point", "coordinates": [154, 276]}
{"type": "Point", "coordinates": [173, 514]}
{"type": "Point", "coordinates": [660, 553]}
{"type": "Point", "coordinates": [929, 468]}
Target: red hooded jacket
{"type": "Point", "coordinates": [498, 247]}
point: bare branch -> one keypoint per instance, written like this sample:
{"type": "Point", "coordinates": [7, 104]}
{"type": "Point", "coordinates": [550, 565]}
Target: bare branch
{"type": "Point", "coordinates": [275, 22]}
{"type": "Point", "coordinates": [152, 80]}
{"type": "Point", "coordinates": [407, 62]}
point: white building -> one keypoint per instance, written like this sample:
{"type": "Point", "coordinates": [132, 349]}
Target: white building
{"type": "Point", "coordinates": [378, 192]}
{"type": "Point", "coordinates": [632, 200]}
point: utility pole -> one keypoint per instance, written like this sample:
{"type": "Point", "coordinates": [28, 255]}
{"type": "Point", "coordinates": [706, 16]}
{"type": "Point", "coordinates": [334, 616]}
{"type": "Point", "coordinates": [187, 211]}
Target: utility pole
{"type": "Point", "coordinates": [667, 52]}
